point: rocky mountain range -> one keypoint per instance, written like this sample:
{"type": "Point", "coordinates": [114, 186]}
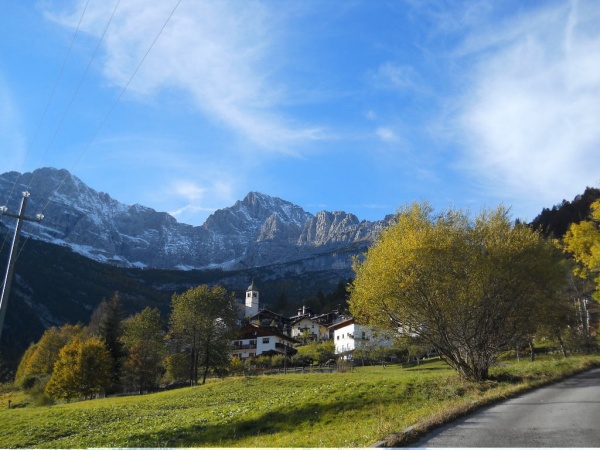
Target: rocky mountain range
{"type": "Point", "coordinates": [257, 231]}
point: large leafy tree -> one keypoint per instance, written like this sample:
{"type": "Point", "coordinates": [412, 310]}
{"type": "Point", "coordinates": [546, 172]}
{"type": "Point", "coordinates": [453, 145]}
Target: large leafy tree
{"type": "Point", "coordinates": [143, 337]}
{"type": "Point", "coordinates": [202, 324]}
{"type": "Point", "coordinates": [81, 370]}
{"type": "Point", "coordinates": [582, 240]}
{"type": "Point", "coordinates": [464, 286]}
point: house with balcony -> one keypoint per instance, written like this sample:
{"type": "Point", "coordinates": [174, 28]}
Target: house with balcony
{"type": "Point", "coordinates": [254, 340]}
{"type": "Point", "coordinates": [309, 328]}
{"type": "Point", "coordinates": [349, 336]}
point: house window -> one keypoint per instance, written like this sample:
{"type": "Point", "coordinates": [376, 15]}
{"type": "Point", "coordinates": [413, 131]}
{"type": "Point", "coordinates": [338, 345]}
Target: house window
{"type": "Point", "coordinates": [338, 337]}
{"type": "Point", "coordinates": [265, 340]}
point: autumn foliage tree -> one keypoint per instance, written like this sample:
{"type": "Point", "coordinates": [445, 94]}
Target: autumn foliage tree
{"type": "Point", "coordinates": [582, 240]}
{"type": "Point", "coordinates": [38, 361]}
{"type": "Point", "coordinates": [82, 369]}
{"type": "Point", "coordinates": [463, 286]}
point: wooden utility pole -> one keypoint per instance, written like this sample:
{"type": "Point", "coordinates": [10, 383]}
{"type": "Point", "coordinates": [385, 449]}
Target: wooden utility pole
{"type": "Point", "coordinates": [12, 258]}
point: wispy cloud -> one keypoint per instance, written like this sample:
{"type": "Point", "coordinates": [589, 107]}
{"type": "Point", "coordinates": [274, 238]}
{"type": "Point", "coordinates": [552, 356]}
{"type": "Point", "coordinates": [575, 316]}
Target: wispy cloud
{"type": "Point", "coordinates": [386, 134]}
{"type": "Point", "coordinates": [530, 116]}
{"type": "Point", "coordinates": [218, 54]}
{"type": "Point", "coordinates": [199, 199]}
{"type": "Point", "coordinates": [394, 76]}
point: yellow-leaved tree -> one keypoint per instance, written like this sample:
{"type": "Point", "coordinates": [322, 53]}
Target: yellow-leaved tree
{"type": "Point", "coordinates": [38, 361]}
{"type": "Point", "coordinates": [82, 369]}
{"type": "Point", "coordinates": [582, 240]}
{"type": "Point", "coordinates": [467, 287]}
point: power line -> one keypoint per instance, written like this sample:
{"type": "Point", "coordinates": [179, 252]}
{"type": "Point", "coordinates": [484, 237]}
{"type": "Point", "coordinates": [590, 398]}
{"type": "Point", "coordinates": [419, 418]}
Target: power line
{"type": "Point", "coordinates": [114, 104]}
{"type": "Point", "coordinates": [13, 253]}
{"type": "Point", "coordinates": [76, 92]}
{"type": "Point", "coordinates": [43, 118]}
{"type": "Point", "coordinates": [112, 107]}
{"type": "Point", "coordinates": [21, 216]}
{"type": "Point", "coordinates": [51, 96]}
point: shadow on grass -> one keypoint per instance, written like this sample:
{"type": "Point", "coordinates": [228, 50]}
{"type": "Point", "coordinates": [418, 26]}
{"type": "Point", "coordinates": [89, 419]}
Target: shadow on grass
{"type": "Point", "coordinates": [271, 422]}
{"type": "Point", "coordinates": [426, 364]}
{"type": "Point", "coordinates": [506, 378]}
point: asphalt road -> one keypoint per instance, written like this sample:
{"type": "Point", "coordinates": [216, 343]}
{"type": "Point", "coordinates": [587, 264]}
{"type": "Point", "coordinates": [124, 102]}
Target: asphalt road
{"type": "Point", "coordinates": [566, 414]}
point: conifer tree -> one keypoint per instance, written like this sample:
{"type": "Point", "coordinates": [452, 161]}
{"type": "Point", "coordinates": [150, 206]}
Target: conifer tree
{"type": "Point", "coordinates": [107, 324]}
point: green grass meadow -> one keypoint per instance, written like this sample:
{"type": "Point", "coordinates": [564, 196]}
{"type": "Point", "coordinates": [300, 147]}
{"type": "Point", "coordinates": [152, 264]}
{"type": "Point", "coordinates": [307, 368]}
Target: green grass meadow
{"type": "Point", "coordinates": [351, 409]}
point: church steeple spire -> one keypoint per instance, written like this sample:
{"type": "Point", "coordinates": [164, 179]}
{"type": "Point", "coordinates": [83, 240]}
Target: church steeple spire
{"type": "Point", "coordinates": [251, 300]}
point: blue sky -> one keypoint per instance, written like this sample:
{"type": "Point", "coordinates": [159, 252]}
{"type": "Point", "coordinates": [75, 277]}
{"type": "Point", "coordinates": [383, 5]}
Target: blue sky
{"type": "Point", "coordinates": [359, 106]}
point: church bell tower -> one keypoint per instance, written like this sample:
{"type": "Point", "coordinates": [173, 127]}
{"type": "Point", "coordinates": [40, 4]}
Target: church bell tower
{"type": "Point", "coordinates": [251, 300]}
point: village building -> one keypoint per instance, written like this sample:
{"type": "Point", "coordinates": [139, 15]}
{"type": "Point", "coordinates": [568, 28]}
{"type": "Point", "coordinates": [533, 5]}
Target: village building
{"type": "Point", "coordinates": [349, 336]}
{"type": "Point", "coordinates": [303, 311]}
{"type": "Point", "coordinates": [264, 332]}
{"type": "Point", "coordinates": [266, 318]}
{"type": "Point", "coordinates": [252, 301]}
{"type": "Point", "coordinates": [309, 328]}
{"type": "Point", "coordinates": [253, 341]}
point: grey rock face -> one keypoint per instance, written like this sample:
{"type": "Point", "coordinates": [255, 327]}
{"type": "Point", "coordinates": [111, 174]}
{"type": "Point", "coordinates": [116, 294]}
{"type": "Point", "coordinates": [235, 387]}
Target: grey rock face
{"type": "Point", "coordinates": [256, 231]}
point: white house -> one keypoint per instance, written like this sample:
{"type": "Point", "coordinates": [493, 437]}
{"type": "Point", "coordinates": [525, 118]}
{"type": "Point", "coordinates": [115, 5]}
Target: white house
{"type": "Point", "coordinates": [254, 341]}
{"type": "Point", "coordinates": [315, 330]}
{"type": "Point", "coordinates": [349, 336]}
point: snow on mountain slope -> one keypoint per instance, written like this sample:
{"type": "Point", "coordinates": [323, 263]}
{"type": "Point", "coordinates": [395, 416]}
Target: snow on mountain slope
{"type": "Point", "coordinates": [256, 231]}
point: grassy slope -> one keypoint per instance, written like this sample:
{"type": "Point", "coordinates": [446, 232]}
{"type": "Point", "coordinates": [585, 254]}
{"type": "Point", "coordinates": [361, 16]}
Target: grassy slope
{"type": "Point", "coordinates": [311, 410]}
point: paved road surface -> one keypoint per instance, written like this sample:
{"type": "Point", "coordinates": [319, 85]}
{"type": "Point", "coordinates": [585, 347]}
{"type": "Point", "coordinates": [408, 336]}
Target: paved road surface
{"type": "Point", "coordinates": [566, 414]}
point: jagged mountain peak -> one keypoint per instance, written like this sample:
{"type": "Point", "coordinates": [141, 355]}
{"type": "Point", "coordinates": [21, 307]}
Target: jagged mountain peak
{"type": "Point", "coordinates": [53, 186]}
{"type": "Point", "coordinates": [254, 210]}
{"type": "Point", "coordinates": [263, 204]}
{"type": "Point", "coordinates": [256, 231]}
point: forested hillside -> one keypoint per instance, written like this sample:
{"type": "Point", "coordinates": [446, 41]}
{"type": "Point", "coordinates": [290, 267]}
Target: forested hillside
{"type": "Point", "coordinates": [555, 221]}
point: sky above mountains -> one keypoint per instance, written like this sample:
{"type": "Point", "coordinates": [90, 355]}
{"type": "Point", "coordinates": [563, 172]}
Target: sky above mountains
{"type": "Point", "coordinates": [362, 106]}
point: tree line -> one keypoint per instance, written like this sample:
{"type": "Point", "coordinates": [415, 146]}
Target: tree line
{"type": "Point", "coordinates": [470, 287]}
{"type": "Point", "coordinates": [113, 353]}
